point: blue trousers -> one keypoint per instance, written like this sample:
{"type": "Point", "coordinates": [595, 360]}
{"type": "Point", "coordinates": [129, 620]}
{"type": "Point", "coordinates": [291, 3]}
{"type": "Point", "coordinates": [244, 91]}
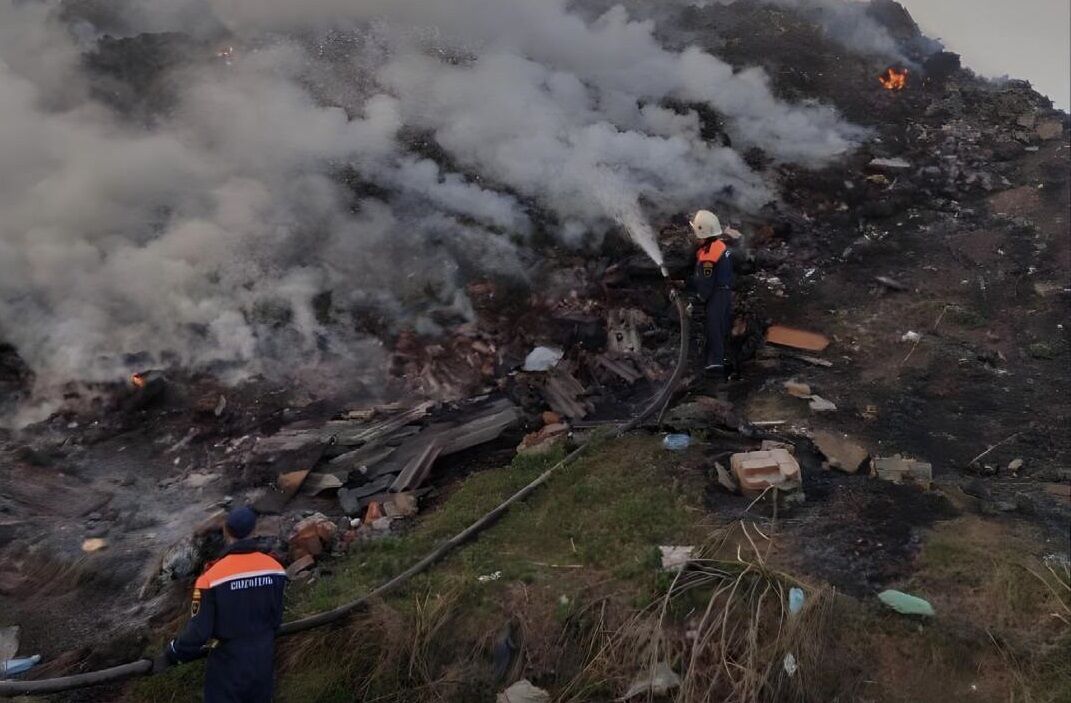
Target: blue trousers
{"type": "Point", "coordinates": [241, 670]}
{"type": "Point", "coordinates": [719, 322]}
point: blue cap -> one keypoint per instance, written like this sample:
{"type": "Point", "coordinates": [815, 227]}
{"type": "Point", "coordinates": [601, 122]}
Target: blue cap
{"type": "Point", "coordinates": [241, 521]}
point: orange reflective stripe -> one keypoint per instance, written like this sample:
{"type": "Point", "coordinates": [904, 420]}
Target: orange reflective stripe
{"type": "Point", "coordinates": [711, 253]}
{"type": "Point", "coordinates": [235, 566]}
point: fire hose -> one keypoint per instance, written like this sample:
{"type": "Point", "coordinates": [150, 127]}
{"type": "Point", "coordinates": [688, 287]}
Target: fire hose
{"type": "Point", "coordinates": [143, 667]}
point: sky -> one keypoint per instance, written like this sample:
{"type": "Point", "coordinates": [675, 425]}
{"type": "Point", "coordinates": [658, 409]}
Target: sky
{"type": "Point", "coordinates": [1028, 39]}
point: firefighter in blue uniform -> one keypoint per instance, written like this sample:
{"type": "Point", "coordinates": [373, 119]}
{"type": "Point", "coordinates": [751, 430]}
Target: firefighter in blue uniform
{"type": "Point", "coordinates": [712, 284]}
{"type": "Point", "coordinates": [236, 611]}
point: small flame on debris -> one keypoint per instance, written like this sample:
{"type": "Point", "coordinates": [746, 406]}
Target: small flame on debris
{"type": "Point", "coordinates": [893, 78]}
{"type": "Point", "coordinates": [138, 380]}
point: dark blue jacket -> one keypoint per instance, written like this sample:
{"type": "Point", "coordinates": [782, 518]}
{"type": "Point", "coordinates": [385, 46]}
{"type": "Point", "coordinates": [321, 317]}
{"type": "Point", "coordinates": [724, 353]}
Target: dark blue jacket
{"type": "Point", "coordinates": [713, 269]}
{"type": "Point", "coordinates": [237, 609]}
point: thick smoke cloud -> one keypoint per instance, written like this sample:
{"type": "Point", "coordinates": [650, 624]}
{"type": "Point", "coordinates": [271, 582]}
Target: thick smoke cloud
{"type": "Point", "coordinates": [204, 235]}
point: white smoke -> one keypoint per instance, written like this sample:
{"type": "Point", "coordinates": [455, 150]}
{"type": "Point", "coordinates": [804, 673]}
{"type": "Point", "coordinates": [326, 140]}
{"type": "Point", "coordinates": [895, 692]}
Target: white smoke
{"type": "Point", "coordinates": [291, 169]}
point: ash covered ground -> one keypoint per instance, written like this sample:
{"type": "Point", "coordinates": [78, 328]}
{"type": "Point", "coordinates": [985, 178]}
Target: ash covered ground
{"type": "Point", "coordinates": [328, 241]}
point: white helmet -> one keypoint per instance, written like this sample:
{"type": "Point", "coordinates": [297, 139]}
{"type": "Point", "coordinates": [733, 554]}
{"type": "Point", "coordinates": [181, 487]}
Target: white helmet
{"type": "Point", "coordinates": [705, 224]}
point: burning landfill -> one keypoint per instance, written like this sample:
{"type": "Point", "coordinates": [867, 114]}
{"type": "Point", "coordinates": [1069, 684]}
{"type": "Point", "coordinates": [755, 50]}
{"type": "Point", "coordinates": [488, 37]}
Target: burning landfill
{"type": "Point", "coordinates": [388, 271]}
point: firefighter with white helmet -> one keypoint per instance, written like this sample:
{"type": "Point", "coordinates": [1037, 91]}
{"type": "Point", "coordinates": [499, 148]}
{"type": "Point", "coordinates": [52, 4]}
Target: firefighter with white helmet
{"type": "Point", "coordinates": [712, 284]}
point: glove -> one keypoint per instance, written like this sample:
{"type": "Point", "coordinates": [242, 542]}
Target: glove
{"type": "Point", "coordinates": [162, 663]}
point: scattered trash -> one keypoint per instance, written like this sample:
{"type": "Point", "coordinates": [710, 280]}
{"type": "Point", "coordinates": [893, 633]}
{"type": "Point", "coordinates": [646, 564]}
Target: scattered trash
{"type": "Point", "coordinates": [623, 335]}
{"type": "Point", "coordinates": [701, 413]}
{"type": "Point", "coordinates": [840, 452]}
{"type": "Point", "coordinates": [523, 692]}
{"type": "Point", "coordinates": [382, 524]}
{"type": "Point", "coordinates": [757, 471]}
{"type": "Point", "coordinates": [94, 544]}
{"type": "Point", "coordinates": [795, 600]}
{"type": "Point", "coordinates": [493, 576]}
{"type": "Point", "coordinates": [815, 361]}
{"type": "Point", "coordinates": [543, 359]}
{"type": "Point", "coordinates": [768, 444]}
{"type": "Point", "coordinates": [820, 405]}
{"type": "Point", "coordinates": [659, 681]}
{"type": "Point", "coordinates": [199, 479]}
{"type": "Point", "coordinates": [9, 642]}
{"type": "Point", "coordinates": [675, 558]}
{"type": "Point", "coordinates": [797, 389]}
{"type": "Point", "coordinates": [791, 667]}
{"type": "Point", "coordinates": [12, 667]}
{"type": "Point", "coordinates": [890, 165]}
{"type": "Point", "coordinates": [545, 440]}
{"type": "Point", "coordinates": [899, 469]}
{"type": "Point", "coordinates": [1060, 490]}
{"type": "Point", "coordinates": [796, 338]}
{"type": "Point", "coordinates": [909, 336]}
{"type": "Point", "coordinates": [890, 283]}
{"type": "Point", "coordinates": [1015, 464]}
{"type": "Point", "coordinates": [676, 442]}
{"type": "Point", "coordinates": [505, 649]}
{"type": "Point", "coordinates": [906, 604]}
{"type": "Point", "coordinates": [726, 479]}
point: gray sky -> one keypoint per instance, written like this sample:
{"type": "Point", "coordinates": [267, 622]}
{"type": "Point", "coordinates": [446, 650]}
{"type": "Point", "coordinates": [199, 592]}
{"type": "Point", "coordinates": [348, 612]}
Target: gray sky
{"type": "Point", "coordinates": [1028, 39]}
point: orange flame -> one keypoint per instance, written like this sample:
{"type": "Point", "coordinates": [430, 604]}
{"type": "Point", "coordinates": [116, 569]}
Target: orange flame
{"type": "Point", "coordinates": [137, 380]}
{"type": "Point", "coordinates": [893, 78]}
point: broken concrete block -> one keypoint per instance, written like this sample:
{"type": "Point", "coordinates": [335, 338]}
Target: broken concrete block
{"type": "Point", "coordinates": [899, 469]}
{"type": "Point", "coordinates": [757, 471]}
{"type": "Point", "coordinates": [795, 338]}
{"type": "Point", "coordinates": [311, 536]}
{"type": "Point", "coordinates": [317, 483]}
{"type": "Point", "coordinates": [402, 505]}
{"type": "Point", "coordinates": [797, 389]}
{"type": "Point", "coordinates": [299, 565]}
{"type": "Point", "coordinates": [1049, 129]}
{"type": "Point", "coordinates": [523, 692]}
{"type": "Point", "coordinates": [726, 479]}
{"type": "Point", "coordinates": [841, 452]}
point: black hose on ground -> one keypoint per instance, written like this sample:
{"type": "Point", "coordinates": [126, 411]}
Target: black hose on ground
{"type": "Point", "coordinates": [143, 667]}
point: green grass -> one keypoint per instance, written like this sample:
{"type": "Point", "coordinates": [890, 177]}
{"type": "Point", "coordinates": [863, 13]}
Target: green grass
{"type": "Point", "coordinates": [605, 514]}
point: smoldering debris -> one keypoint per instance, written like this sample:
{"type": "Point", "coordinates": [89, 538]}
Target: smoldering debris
{"type": "Point", "coordinates": [210, 171]}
